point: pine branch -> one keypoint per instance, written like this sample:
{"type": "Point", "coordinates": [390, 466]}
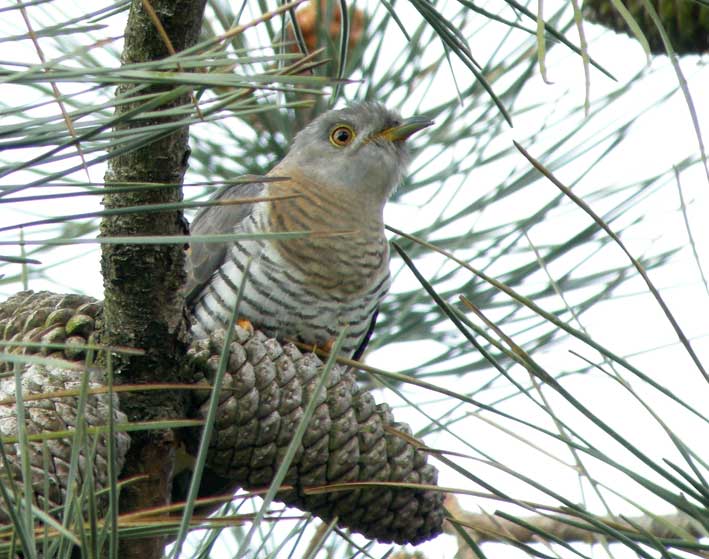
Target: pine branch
{"type": "Point", "coordinates": [483, 527]}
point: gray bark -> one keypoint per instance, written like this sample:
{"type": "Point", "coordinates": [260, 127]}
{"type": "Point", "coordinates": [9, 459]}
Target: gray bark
{"type": "Point", "coordinates": [143, 300]}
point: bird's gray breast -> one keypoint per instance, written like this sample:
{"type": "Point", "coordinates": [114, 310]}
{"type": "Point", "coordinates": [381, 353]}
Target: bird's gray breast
{"type": "Point", "coordinates": [283, 300]}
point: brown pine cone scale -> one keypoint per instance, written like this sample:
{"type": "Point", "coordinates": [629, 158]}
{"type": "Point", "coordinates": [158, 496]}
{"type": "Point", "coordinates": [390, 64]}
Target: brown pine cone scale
{"type": "Point", "coordinates": [265, 391]}
{"type": "Point", "coordinates": [62, 319]}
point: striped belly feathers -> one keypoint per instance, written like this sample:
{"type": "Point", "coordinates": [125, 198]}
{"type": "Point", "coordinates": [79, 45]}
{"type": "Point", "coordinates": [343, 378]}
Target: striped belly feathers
{"type": "Point", "coordinates": [305, 288]}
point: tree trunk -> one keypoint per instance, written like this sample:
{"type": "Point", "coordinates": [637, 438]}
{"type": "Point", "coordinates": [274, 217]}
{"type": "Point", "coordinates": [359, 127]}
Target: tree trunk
{"type": "Point", "coordinates": [143, 302]}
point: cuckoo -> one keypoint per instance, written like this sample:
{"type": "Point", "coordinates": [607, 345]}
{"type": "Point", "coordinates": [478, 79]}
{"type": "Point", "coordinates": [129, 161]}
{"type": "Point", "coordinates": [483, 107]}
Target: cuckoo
{"type": "Point", "coordinates": [340, 171]}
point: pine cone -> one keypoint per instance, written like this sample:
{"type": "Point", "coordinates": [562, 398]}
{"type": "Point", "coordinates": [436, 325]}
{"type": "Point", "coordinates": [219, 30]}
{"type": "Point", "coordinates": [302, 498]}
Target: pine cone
{"type": "Point", "coordinates": [50, 318]}
{"type": "Point", "coordinates": [264, 394]}
{"type": "Point", "coordinates": [265, 391]}
{"type": "Point", "coordinates": [50, 415]}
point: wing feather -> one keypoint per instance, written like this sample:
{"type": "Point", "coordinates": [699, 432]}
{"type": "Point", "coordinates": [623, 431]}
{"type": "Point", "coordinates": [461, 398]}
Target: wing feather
{"type": "Point", "coordinates": [204, 259]}
{"type": "Point", "coordinates": [359, 352]}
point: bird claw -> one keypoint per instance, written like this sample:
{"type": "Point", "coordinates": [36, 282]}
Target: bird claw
{"type": "Point", "coordinates": [245, 324]}
{"type": "Point", "coordinates": [325, 348]}
{"type": "Point", "coordinates": [328, 345]}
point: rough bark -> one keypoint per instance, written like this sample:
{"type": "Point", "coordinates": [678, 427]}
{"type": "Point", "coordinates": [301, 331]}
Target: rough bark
{"type": "Point", "coordinates": [143, 303]}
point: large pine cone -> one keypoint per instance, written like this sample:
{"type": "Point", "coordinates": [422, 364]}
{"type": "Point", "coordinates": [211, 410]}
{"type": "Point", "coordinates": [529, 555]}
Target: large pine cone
{"type": "Point", "coordinates": [58, 319]}
{"type": "Point", "coordinates": [265, 391]}
{"type": "Point", "coordinates": [349, 438]}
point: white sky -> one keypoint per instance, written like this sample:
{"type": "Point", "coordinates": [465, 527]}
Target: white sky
{"type": "Point", "coordinates": [630, 323]}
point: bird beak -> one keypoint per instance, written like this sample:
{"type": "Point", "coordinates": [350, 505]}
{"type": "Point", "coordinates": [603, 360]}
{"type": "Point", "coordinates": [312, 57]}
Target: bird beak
{"type": "Point", "coordinates": [408, 127]}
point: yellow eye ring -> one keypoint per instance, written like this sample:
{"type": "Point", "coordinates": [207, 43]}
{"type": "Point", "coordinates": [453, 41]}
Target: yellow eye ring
{"type": "Point", "coordinates": [342, 135]}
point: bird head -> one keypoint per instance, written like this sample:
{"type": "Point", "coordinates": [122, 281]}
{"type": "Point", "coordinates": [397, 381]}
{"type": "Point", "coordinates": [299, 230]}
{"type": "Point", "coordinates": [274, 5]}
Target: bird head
{"type": "Point", "coordinates": [360, 149]}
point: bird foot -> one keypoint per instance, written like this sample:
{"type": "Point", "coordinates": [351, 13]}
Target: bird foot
{"type": "Point", "coordinates": [245, 324]}
{"type": "Point", "coordinates": [324, 348]}
{"type": "Point", "coordinates": [321, 350]}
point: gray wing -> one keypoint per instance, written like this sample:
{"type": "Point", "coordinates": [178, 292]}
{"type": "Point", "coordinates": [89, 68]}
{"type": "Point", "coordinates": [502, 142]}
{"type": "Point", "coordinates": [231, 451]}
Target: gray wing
{"type": "Point", "coordinates": [203, 259]}
{"type": "Point", "coordinates": [357, 355]}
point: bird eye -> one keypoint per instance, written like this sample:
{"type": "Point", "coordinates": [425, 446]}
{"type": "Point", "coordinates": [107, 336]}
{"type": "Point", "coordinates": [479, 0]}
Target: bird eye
{"type": "Point", "coordinates": [342, 135]}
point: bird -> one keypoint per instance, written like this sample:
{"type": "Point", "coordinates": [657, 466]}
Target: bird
{"type": "Point", "coordinates": [334, 182]}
